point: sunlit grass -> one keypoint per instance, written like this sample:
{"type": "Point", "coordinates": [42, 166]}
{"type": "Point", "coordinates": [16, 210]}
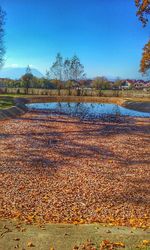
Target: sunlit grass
{"type": "Point", "coordinates": [6, 102]}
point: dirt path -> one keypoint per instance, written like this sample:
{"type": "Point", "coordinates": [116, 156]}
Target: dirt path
{"type": "Point", "coordinates": [57, 169]}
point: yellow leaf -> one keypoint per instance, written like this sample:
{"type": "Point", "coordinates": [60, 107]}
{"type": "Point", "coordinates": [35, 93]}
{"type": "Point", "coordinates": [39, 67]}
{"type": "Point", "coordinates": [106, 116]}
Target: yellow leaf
{"type": "Point", "coordinates": [98, 210]}
{"type": "Point", "coordinates": [146, 242]}
{"type": "Point", "coordinates": [81, 221]}
{"type": "Point", "coordinates": [75, 222]}
{"type": "Point", "coordinates": [30, 244]}
{"type": "Point", "coordinates": [119, 244]}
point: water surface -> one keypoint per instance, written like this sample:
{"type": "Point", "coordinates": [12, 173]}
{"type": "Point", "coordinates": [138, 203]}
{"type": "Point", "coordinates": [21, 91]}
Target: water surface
{"type": "Point", "coordinates": [86, 110]}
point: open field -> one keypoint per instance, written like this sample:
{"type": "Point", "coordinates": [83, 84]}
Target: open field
{"type": "Point", "coordinates": [74, 125]}
{"type": "Point", "coordinates": [57, 169]}
{"type": "Point", "coordinates": [83, 92]}
{"type": "Point", "coordinates": [64, 170]}
{"type": "Point", "coordinates": [65, 237]}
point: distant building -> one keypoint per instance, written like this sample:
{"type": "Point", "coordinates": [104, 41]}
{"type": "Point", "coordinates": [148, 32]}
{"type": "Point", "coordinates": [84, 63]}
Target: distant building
{"type": "Point", "coordinates": [135, 84]}
{"type": "Point", "coordinates": [126, 84]}
{"type": "Point", "coordinates": [140, 84]}
{"type": "Point", "coordinates": [147, 86]}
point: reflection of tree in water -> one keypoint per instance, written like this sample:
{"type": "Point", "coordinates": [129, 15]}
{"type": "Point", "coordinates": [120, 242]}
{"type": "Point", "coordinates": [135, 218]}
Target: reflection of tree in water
{"type": "Point", "coordinates": [92, 105]}
{"type": "Point", "coordinates": [68, 108]}
{"type": "Point", "coordinates": [72, 109]}
{"type": "Point", "coordinates": [81, 110]}
{"type": "Point", "coordinates": [58, 107]}
{"type": "Point", "coordinates": [86, 110]}
{"type": "Point", "coordinates": [101, 114]}
{"type": "Point", "coordinates": [77, 109]}
{"type": "Point", "coordinates": [116, 110]}
{"type": "Point", "coordinates": [68, 104]}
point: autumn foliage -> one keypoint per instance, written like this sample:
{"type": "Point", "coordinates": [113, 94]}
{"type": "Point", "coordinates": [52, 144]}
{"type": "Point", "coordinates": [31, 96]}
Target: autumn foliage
{"type": "Point", "coordinates": [143, 13]}
{"type": "Point", "coordinates": [143, 10]}
{"type": "Point", "coordinates": [145, 62]}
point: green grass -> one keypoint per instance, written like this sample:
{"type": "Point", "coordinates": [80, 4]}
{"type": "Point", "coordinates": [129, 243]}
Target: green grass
{"type": "Point", "coordinates": [6, 102]}
{"type": "Point", "coordinates": [12, 95]}
{"type": "Point", "coordinates": [65, 237]}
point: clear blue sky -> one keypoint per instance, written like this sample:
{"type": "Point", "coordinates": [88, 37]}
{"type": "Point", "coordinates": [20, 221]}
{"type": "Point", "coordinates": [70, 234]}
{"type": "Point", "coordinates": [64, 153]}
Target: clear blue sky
{"type": "Point", "coordinates": [106, 35]}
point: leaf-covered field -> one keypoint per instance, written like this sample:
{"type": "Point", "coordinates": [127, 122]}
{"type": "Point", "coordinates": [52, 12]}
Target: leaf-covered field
{"type": "Point", "coordinates": [60, 169]}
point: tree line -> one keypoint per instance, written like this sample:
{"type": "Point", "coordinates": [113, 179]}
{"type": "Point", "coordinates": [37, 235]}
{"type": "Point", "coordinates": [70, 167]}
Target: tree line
{"type": "Point", "coordinates": [64, 73]}
{"type": "Point", "coordinates": [28, 80]}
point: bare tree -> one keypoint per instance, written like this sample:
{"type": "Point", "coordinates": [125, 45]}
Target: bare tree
{"type": "Point", "coordinates": [48, 76]}
{"type": "Point", "coordinates": [2, 48]}
{"type": "Point", "coordinates": [66, 69]}
{"type": "Point", "coordinates": [57, 68]}
{"type": "Point", "coordinates": [76, 69]}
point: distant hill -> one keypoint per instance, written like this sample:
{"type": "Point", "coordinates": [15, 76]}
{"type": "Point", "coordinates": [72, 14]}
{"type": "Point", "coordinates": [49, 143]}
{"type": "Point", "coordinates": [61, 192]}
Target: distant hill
{"type": "Point", "coordinates": [16, 73]}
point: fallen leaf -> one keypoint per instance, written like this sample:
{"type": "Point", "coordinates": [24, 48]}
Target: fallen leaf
{"type": "Point", "coordinates": [30, 244]}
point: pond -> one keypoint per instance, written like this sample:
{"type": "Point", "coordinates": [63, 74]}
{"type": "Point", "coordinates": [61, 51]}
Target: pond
{"type": "Point", "coordinates": [85, 110]}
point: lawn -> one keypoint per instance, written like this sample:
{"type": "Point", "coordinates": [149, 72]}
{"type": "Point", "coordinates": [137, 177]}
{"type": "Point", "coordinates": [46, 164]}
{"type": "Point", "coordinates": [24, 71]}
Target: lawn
{"type": "Point", "coordinates": [6, 102]}
{"type": "Point", "coordinates": [16, 235]}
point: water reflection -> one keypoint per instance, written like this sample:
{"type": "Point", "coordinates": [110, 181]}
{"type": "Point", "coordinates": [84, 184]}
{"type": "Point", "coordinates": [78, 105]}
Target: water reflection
{"type": "Point", "coordinates": [116, 110]}
{"type": "Point", "coordinates": [86, 110]}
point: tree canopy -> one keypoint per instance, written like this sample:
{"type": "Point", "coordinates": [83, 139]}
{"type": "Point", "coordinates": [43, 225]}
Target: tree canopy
{"type": "Point", "coordinates": [101, 82]}
{"type": "Point", "coordinates": [145, 61]}
{"type": "Point", "coordinates": [143, 10]}
{"type": "Point", "coordinates": [27, 78]}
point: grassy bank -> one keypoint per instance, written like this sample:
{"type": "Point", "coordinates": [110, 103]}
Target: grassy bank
{"type": "Point", "coordinates": [11, 108]}
{"type": "Point", "coordinates": [66, 237]}
{"type": "Point", "coordinates": [6, 102]}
